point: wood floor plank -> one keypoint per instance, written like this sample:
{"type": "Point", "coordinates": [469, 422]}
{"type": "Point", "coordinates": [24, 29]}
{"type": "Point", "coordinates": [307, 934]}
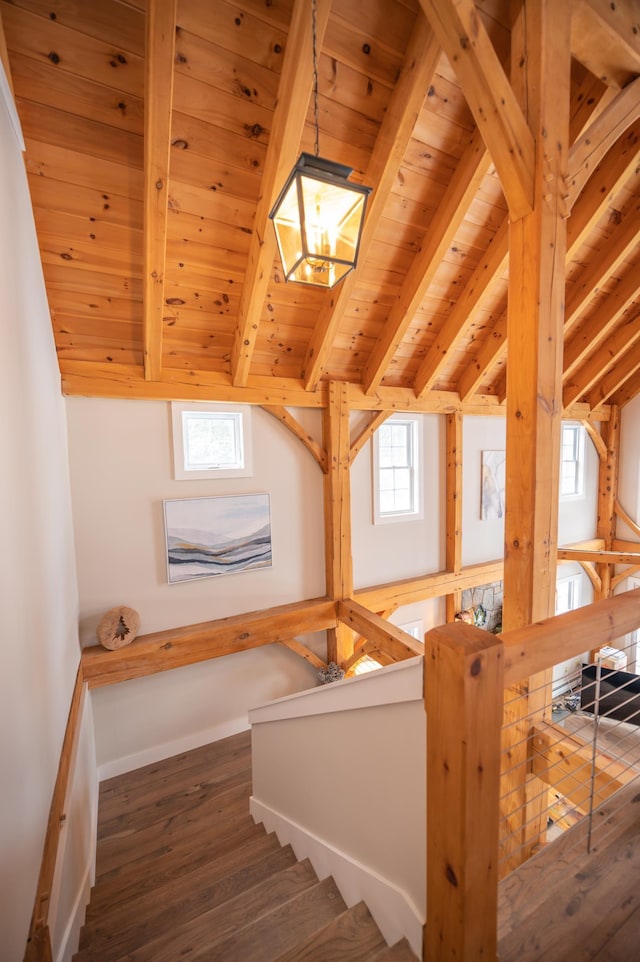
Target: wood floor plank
{"type": "Point", "coordinates": [270, 936]}
{"type": "Point", "coordinates": [546, 873]}
{"type": "Point", "coordinates": [178, 800]}
{"type": "Point", "coordinates": [624, 945]}
{"type": "Point", "coordinates": [155, 771]}
{"type": "Point", "coordinates": [203, 932]}
{"type": "Point", "coordinates": [400, 952]}
{"type": "Point", "coordinates": [352, 936]}
{"type": "Point", "coordinates": [602, 890]}
{"type": "Point", "coordinates": [164, 909]}
{"type": "Point", "coordinates": [209, 817]}
{"type": "Point", "coordinates": [173, 862]}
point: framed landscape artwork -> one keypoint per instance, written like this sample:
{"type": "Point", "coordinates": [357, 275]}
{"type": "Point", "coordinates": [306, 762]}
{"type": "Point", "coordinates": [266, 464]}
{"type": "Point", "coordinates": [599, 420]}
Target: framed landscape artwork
{"type": "Point", "coordinates": [493, 482]}
{"type": "Point", "coordinates": [217, 536]}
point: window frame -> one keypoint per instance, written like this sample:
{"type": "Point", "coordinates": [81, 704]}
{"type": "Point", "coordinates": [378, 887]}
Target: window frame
{"type": "Point", "coordinates": [579, 461]}
{"type": "Point", "coordinates": [241, 414]}
{"type": "Point", "coordinates": [575, 580]}
{"type": "Point", "coordinates": [416, 512]}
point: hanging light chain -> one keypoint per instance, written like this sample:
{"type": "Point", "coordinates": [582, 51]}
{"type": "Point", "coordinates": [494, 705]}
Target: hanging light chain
{"type": "Point", "coordinates": [315, 79]}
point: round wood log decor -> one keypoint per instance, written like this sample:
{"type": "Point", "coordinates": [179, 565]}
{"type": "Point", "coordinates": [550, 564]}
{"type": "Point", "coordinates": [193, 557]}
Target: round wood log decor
{"type": "Point", "coordinates": [118, 627]}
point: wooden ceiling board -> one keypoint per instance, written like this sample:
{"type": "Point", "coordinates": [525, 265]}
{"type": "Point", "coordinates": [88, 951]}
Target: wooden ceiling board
{"type": "Point", "coordinates": [79, 75]}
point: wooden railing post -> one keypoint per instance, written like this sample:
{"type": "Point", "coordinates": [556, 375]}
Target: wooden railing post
{"type": "Point", "coordinates": [463, 686]}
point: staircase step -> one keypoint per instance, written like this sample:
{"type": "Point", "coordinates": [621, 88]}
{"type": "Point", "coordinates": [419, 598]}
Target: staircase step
{"type": "Point", "coordinates": [212, 929]}
{"type": "Point", "coordinates": [351, 937]}
{"type": "Point", "coordinates": [144, 811]}
{"type": "Point", "coordinates": [400, 952]}
{"type": "Point", "coordinates": [164, 909]}
{"type": "Point", "coordinates": [269, 937]}
{"type": "Point", "coordinates": [220, 815]}
{"type": "Point", "coordinates": [169, 862]}
{"type": "Point", "coordinates": [151, 777]}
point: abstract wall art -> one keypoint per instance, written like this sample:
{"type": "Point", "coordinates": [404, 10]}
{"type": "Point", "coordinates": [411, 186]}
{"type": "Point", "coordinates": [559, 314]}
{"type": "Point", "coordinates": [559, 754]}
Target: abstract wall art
{"type": "Point", "coordinates": [217, 536]}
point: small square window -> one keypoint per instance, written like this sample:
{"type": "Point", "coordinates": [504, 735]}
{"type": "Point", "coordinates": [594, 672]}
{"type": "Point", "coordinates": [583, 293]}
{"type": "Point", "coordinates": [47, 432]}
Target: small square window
{"type": "Point", "coordinates": [567, 594]}
{"type": "Point", "coordinates": [572, 464]}
{"type": "Point", "coordinates": [397, 470]}
{"type": "Point", "coordinates": [211, 441]}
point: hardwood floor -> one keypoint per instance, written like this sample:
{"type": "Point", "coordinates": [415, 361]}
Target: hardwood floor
{"type": "Point", "coordinates": [184, 873]}
{"type": "Point", "coordinates": [567, 905]}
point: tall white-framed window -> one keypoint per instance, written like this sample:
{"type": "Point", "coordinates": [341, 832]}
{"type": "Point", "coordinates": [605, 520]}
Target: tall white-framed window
{"type": "Point", "coordinates": [572, 462]}
{"type": "Point", "coordinates": [211, 441]}
{"type": "Point", "coordinates": [397, 470]}
{"type": "Point", "coordinates": [567, 593]}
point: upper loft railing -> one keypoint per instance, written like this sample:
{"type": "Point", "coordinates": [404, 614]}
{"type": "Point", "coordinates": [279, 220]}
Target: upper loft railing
{"type": "Point", "coordinates": [490, 704]}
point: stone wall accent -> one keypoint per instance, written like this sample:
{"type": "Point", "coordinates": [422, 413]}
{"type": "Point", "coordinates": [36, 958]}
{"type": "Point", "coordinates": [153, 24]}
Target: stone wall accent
{"type": "Point", "coordinates": [490, 598]}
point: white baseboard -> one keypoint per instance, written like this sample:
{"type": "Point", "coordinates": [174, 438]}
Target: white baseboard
{"type": "Point", "coordinates": [156, 753]}
{"type": "Point", "coordinates": [394, 912]}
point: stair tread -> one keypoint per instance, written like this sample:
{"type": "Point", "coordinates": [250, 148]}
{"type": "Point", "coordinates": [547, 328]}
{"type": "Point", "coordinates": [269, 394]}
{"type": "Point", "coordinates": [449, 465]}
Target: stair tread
{"type": "Point", "coordinates": [131, 815]}
{"type": "Point", "coordinates": [218, 812]}
{"type": "Point", "coordinates": [172, 861]}
{"type": "Point", "coordinates": [146, 918]}
{"type": "Point", "coordinates": [211, 932]}
{"type": "Point", "coordinates": [352, 936]}
{"type": "Point", "coordinates": [170, 768]}
{"type": "Point", "coordinates": [267, 938]}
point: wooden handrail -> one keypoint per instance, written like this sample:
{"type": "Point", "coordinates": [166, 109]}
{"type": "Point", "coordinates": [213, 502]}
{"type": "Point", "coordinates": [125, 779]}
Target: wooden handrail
{"type": "Point", "coordinates": [466, 673]}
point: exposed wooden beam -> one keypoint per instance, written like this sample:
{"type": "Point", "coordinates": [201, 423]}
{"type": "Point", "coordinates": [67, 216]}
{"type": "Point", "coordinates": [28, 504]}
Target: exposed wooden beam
{"type": "Point", "coordinates": [160, 52]}
{"type": "Point", "coordinates": [490, 96]}
{"type": "Point", "coordinates": [605, 38]}
{"type": "Point", "coordinates": [596, 439]}
{"type": "Point", "coordinates": [629, 390]}
{"type": "Point", "coordinates": [367, 433]}
{"type": "Point", "coordinates": [451, 211]}
{"type": "Point", "coordinates": [163, 650]}
{"type": "Point", "coordinates": [608, 345]}
{"type": "Point", "coordinates": [461, 317]}
{"type": "Point", "coordinates": [590, 570]}
{"type": "Point", "coordinates": [608, 557]}
{"type": "Point", "coordinates": [453, 510]}
{"type": "Point", "coordinates": [627, 364]}
{"type": "Point", "coordinates": [588, 208]}
{"type": "Point", "coordinates": [391, 143]}
{"type": "Point", "coordinates": [292, 424]}
{"type": "Point", "coordinates": [337, 515]}
{"type": "Point", "coordinates": [436, 585]}
{"type": "Point", "coordinates": [628, 520]}
{"type": "Point", "coordinates": [387, 637]}
{"type": "Point", "coordinates": [609, 259]}
{"type": "Point", "coordinates": [297, 648]}
{"type": "Point", "coordinates": [608, 475]}
{"type": "Point", "coordinates": [284, 142]}
{"type": "Point", "coordinates": [591, 147]}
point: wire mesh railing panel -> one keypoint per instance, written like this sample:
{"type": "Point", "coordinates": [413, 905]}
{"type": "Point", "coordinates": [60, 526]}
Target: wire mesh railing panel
{"type": "Point", "coordinates": [571, 742]}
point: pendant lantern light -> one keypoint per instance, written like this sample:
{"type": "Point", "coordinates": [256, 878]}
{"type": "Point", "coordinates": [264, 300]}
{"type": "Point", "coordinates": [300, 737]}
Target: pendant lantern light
{"type": "Point", "coordinates": [319, 213]}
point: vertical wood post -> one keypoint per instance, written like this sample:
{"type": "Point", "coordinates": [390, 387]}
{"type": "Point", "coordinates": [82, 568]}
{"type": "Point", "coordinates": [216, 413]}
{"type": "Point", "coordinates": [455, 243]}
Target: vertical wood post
{"type": "Point", "coordinates": [337, 515]}
{"type": "Point", "coordinates": [608, 494]}
{"type": "Point", "coordinates": [453, 493]}
{"type": "Point", "coordinates": [541, 66]}
{"type": "Point", "coordinates": [463, 687]}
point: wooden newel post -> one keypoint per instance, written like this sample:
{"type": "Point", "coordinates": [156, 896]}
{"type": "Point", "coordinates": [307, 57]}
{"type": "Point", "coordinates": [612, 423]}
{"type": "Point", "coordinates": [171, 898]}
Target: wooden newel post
{"type": "Point", "coordinates": [464, 693]}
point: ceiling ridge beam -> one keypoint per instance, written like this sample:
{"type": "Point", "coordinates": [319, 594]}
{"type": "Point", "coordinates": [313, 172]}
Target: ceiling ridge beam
{"type": "Point", "coordinates": [490, 97]}
{"type": "Point", "coordinates": [160, 54]}
{"type": "Point", "coordinates": [391, 144]}
{"type": "Point", "coordinates": [289, 118]}
{"type": "Point", "coordinates": [600, 135]}
{"type": "Point", "coordinates": [441, 230]}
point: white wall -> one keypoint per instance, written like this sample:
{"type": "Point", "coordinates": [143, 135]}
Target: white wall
{"type": "Point", "coordinates": [481, 540]}
{"type": "Point", "coordinates": [39, 652]}
{"type": "Point", "coordinates": [121, 471]}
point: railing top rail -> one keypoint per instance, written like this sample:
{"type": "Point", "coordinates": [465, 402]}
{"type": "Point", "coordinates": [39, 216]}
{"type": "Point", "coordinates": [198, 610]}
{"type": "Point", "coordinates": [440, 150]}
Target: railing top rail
{"type": "Point", "coordinates": [543, 644]}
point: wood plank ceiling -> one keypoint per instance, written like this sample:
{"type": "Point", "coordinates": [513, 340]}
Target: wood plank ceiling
{"type": "Point", "coordinates": [155, 146]}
